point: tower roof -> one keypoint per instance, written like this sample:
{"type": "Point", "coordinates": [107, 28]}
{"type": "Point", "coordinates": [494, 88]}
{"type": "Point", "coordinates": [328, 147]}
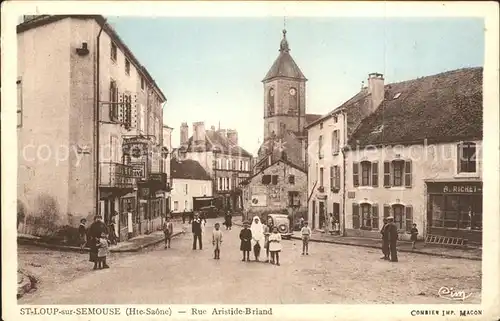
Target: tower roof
{"type": "Point", "coordinates": [284, 65]}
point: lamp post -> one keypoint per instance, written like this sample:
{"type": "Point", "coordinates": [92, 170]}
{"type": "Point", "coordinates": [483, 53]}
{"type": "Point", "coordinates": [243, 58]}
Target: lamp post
{"type": "Point", "coordinates": [164, 156]}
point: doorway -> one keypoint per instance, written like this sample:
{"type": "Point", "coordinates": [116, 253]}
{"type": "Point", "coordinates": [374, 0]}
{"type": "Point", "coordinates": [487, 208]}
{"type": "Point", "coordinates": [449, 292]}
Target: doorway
{"type": "Point", "coordinates": [313, 214]}
{"type": "Point", "coordinates": [321, 214]}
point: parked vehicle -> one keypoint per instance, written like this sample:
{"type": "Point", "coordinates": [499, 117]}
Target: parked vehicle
{"type": "Point", "coordinates": [209, 211]}
{"type": "Point", "coordinates": [283, 223]}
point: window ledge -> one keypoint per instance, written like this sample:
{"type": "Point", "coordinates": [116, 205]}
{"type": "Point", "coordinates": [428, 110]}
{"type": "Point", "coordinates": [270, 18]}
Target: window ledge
{"type": "Point", "coordinates": [365, 187]}
{"type": "Point", "coordinates": [397, 188]}
{"type": "Point", "coordinates": [335, 153]}
{"type": "Point", "coordinates": [467, 175]}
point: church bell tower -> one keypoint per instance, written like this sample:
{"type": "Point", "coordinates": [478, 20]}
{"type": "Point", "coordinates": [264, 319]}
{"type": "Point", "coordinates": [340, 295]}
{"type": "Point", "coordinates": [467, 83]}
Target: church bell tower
{"type": "Point", "coordinates": [284, 95]}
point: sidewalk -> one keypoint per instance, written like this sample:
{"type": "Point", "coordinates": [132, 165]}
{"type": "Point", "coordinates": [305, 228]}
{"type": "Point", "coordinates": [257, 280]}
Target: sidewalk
{"type": "Point", "coordinates": [135, 244]}
{"type": "Point", "coordinates": [403, 246]}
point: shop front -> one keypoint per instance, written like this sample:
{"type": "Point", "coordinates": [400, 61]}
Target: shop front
{"type": "Point", "coordinates": [455, 209]}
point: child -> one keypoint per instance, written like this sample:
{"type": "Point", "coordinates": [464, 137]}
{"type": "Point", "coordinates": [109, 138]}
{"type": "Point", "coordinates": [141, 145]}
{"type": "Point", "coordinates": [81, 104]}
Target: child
{"type": "Point", "coordinates": [102, 251]}
{"type": "Point", "coordinates": [246, 245]}
{"type": "Point", "coordinates": [267, 232]}
{"type": "Point", "coordinates": [217, 240]}
{"type": "Point", "coordinates": [306, 234]}
{"type": "Point", "coordinates": [275, 246]}
{"type": "Point", "coordinates": [168, 230]}
{"type": "Point", "coordinates": [414, 234]}
{"type": "Point", "coordinates": [82, 233]}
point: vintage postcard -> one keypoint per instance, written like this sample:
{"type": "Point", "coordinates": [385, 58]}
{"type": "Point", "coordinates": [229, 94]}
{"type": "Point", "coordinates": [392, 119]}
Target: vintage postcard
{"type": "Point", "coordinates": [250, 160]}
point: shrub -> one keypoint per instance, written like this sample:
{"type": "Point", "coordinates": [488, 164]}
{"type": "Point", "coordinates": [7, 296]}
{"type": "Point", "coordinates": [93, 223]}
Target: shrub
{"type": "Point", "coordinates": [21, 212]}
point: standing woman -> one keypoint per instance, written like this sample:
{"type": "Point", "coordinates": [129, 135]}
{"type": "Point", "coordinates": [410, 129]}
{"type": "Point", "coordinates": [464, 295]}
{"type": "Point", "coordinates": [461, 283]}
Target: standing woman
{"type": "Point", "coordinates": [258, 237]}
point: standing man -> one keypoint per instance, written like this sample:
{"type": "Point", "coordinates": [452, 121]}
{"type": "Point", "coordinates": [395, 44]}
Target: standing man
{"type": "Point", "coordinates": [96, 230]}
{"type": "Point", "coordinates": [184, 216]}
{"type": "Point", "coordinates": [392, 231]}
{"type": "Point", "coordinates": [196, 229]}
{"type": "Point", "coordinates": [385, 240]}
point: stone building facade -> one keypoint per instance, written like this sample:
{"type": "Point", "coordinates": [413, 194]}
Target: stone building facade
{"type": "Point", "coordinates": [88, 164]}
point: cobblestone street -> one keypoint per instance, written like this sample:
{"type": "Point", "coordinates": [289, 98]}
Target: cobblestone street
{"type": "Point", "coordinates": [330, 274]}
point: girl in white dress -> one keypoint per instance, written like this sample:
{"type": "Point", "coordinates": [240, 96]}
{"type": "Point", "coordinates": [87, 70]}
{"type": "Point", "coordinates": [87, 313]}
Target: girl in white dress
{"type": "Point", "coordinates": [275, 246]}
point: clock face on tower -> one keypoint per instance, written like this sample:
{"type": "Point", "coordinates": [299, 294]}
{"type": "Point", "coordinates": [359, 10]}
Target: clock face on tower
{"type": "Point", "coordinates": [293, 92]}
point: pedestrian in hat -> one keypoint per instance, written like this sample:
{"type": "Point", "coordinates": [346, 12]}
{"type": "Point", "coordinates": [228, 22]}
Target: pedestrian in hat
{"type": "Point", "coordinates": [196, 228]}
{"type": "Point", "coordinates": [385, 240]}
{"type": "Point", "coordinates": [246, 241]}
{"type": "Point", "coordinates": [392, 231]}
{"type": "Point", "coordinates": [306, 235]}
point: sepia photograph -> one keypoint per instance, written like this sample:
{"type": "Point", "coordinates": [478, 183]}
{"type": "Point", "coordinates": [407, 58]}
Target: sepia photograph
{"type": "Point", "coordinates": [243, 162]}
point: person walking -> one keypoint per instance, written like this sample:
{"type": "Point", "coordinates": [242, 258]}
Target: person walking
{"type": "Point", "coordinates": [246, 245]}
{"type": "Point", "coordinates": [196, 229]}
{"type": "Point", "coordinates": [306, 235]}
{"type": "Point", "coordinates": [97, 228]}
{"type": "Point", "coordinates": [82, 234]}
{"type": "Point", "coordinates": [229, 220]}
{"type": "Point", "coordinates": [168, 231]}
{"type": "Point", "coordinates": [392, 231]}
{"type": "Point", "coordinates": [130, 223]}
{"type": "Point", "coordinates": [184, 215]}
{"type": "Point", "coordinates": [385, 240]}
{"type": "Point", "coordinates": [257, 236]}
{"type": "Point", "coordinates": [414, 234]}
{"type": "Point", "coordinates": [217, 240]}
{"type": "Point", "coordinates": [275, 246]}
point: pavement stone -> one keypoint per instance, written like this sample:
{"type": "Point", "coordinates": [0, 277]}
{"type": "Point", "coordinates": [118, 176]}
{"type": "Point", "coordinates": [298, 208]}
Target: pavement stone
{"type": "Point", "coordinates": [426, 249]}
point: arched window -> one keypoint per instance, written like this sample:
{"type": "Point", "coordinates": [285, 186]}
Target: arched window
{"type": "Point", "coordinates": [270, 101]}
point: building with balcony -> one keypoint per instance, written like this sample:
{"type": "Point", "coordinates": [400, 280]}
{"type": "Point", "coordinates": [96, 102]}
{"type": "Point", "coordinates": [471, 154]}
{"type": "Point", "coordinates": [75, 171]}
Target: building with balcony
{"type": "Point", "coordinates": [411, 150]}
{"type": "Point", "coordinates": [218, 152]}
{"type": "Point", "coordinates": [95, 112]}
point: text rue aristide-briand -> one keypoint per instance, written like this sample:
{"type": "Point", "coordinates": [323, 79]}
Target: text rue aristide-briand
{"type": "Point", "coordinates": [237, 311]}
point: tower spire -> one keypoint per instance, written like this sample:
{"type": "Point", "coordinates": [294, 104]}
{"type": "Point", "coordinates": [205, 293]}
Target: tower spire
{"type": "Point", "coordinates": [284, 43]}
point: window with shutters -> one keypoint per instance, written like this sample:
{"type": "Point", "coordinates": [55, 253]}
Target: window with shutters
{"type": "Point", "coordinates": [266, 179]}
{"type": "Point", "coordinates": [291, 179]}
{"type": "Point", "coordinates": [397, 173]}
{"type": "Point", "coordinates": [466, 157]}
{"type": "Point", "coordinates": [365, 173]}
{"type": "Point", "coordinates": [375, 174]}
{"type": "Point", "coordinates": [335, 142]}
{"type": "Point", "coordinates": [366, 217]}
{"type": "Point", "coordinates": [274, 179]}
{"type": "Point", "coordinates": [114, 51]}
{"type": "Point", "coordinates": [355, 216]}
{"type": "Point", "coordinates": [113, 101]}
{"type": "Point", "coordinates": [320, 147]}
{"type": "Point", "coordinates": [399, 213]}
{"type": "Point", "coordinates": [408, 173]}
{"type": "Point", "coordinates": [355, 174]}
{"type": "Point", "coordinates": [19, 103]}
{"type": "Point", "coordinates": [127, 66]}
{"type": "Point", "coordinates": [335, 178]}
{"type": "Point", "coordinates": [375, 216]}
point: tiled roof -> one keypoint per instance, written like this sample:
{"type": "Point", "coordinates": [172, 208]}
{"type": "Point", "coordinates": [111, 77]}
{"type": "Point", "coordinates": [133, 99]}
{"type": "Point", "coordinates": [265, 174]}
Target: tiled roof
{"type": "Point", "coordinates": [187, 169]}
{"type": "Point", "coordinates": [284, 66]}
{"type": "Point", "coordinates": [277, 161]}
{"type": "Point", "coordinates": [214, 138]}
{"type": "Point", "coordinates": [440, 108]}
{"type": "Point", "coordinates": [312, 117]}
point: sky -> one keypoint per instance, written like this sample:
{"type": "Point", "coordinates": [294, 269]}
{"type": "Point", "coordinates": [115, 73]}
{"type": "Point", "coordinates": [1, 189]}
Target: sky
{"type": "Point", "coordinates": [210, 69]}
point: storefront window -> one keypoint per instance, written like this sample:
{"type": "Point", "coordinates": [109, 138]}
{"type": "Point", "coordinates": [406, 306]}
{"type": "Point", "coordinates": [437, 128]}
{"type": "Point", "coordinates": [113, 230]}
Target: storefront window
{"type": "Point", "coordinates": [457, 211]}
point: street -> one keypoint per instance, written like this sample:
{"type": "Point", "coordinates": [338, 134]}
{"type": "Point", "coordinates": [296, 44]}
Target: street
{"type": "Point", "coordinates": [330, 274]}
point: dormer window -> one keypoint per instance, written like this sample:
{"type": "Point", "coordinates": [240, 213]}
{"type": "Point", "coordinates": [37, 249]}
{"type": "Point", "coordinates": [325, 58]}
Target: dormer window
{"type": "Point", "coordinates": [466, 157]}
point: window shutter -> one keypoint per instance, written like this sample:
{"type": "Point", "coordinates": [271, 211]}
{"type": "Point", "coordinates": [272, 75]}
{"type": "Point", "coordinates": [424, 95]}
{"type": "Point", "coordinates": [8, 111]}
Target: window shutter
{"type": "Point", "coordinates": [387, 210]}
{"type": "Point", "coordinates": [375, 216]}
{"type": "Point", "coordinates": [337, 177]}
{"type": "Point", "coordinates": [355, 216]}
{"type": "Point", "coordinates": [375, 174]}
{"type": "Point", "coordinates": [409, 218]}
{"type": "Point", "coordinates": [332, 177]}
{"type": "Point", "coordinates": [387, 174]}
{"type": "Point", "coordinates": [408, 173]}
{"type": "Point", "coordinates": [459, 157]}
{"type": "Point", "coordinates": [275, 179]}
{"type": "Point", "coordinates": [355, 174]}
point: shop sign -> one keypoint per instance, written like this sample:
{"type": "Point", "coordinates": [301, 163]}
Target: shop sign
{"type": "Point", "coordinates": [455, 188]}
{"type": "Point", "coordinates": [138, 170]}
{"type": "Point", "coordinates": [144, 192]}
{"type": "Point", "coordinates": [259, 200]}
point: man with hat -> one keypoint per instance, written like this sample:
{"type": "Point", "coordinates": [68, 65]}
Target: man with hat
{"type": "Point", "coordinates": [196, 229]}
{"type": "Point", "coordinates": [392, 236]}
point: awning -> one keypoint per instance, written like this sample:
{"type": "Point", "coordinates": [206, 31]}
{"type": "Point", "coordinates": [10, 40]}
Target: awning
{"type": "Point", "coordinates": [202, 198]}
{"type": "Point", "coordinates": [129, 195]}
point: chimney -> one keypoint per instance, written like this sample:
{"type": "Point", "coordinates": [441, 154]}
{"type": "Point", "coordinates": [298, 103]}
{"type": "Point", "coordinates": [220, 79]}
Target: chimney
{"type": "Point", "coordinates": [199, 131]}
{"type": "Point", "coordinates": [376, 89]}
{"type": "Point", "coordinates": [184, 134]}
{"type": "Point", "coordinates": [232, 135]}
{"type": "Point", "coordinates": [212, 128]}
